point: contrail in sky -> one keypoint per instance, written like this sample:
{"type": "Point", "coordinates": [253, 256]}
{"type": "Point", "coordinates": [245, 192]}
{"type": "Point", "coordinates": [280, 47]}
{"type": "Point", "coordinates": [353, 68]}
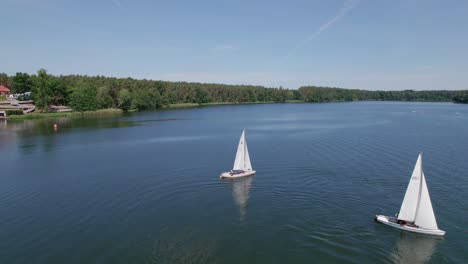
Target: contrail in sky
{"type": "Point", "coordinates": [347, 6]}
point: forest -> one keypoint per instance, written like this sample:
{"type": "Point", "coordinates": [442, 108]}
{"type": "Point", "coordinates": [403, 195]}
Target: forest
{"type": "Point", "coordinates": [88, 93]}
{"type": "Point", "coordinates": [326, 94]}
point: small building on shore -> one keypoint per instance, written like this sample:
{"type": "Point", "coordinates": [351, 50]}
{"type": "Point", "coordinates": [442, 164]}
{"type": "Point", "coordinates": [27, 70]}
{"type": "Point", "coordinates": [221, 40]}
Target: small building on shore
{"type": "Point", "coordinates": [4, 91]}
{"type": "Point", "coordinates": [20, 96]}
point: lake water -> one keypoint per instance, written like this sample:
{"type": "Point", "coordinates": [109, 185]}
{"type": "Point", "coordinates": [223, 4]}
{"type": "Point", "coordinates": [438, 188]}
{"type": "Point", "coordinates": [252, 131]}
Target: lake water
{"type": "Point", "coordinates": [145, 188]}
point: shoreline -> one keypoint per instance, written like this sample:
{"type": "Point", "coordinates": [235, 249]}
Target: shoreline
{"type": "Point", "coordinates": [192, 105]}
{"type": "Point", "coordinates": [116, 111]}
{"type": "Point", "coordinates": [100, 112]}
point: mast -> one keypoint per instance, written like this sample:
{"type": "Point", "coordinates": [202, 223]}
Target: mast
{"type": "Point", "coordinates": [421, 175]}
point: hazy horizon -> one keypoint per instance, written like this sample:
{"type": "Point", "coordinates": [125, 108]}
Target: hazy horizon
{"type": "Point", "coordinates": [398, 45]}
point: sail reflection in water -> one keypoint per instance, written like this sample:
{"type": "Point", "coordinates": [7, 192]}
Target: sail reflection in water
{"type": "Point", "coordinates": [414, 249]}
{"type": "Point", "coordinates": [240, 192]}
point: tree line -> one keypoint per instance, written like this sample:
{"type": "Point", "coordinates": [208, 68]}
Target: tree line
{"type": "Point", "coordinates": [461, 97]}
{"type": "Point", "coordinates": [86, 93]}
{"type": "Point", "coordinates": [327, 94]}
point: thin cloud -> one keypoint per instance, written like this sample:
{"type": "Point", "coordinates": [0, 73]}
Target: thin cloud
{"type": "Point", "coordinates": [347, 6]}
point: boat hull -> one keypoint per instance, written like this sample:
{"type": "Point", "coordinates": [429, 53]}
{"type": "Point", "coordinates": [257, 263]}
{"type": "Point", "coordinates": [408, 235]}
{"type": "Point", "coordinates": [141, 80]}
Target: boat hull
{"type": "Point", "coordinates": [386, 221]}
{"type": "Point", "coordinates": [227, 175]}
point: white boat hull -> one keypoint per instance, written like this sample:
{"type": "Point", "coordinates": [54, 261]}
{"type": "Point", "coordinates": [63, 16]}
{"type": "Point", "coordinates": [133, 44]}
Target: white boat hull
{"type": "Point", "coordinates": [386, 220]}
{"type": "Point", "coordinates": [228, 175]}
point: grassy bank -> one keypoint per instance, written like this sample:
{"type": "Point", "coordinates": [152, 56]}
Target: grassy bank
{"type": "Point", "coordinates": [189, 105]}
{"type": "Point", "coordinates": [115, 111]}
{"type": "Point", "coordinates": [101, 112]}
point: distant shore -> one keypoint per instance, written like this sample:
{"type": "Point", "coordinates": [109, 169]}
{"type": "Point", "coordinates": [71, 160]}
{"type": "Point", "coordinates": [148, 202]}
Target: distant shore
{"type": "Point", "coordinates": [190, 105]}
{"type": "Point", "coordinates": [100, 112]}
{"type": "Point", "coordinates": [116, 111]}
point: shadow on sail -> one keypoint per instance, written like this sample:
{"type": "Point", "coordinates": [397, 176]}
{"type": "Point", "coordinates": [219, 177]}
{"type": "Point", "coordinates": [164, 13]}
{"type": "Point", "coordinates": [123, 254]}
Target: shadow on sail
{"type": "Point", "coordinates": [414, 249]}
{"type": "Point", "coordinates": [240, 192]}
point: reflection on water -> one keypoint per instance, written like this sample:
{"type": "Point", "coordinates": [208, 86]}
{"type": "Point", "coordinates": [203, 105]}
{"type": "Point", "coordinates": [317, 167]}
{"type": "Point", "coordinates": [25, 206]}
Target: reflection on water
{"type": "Point", "coordinates": [30, 134]}
{"type": "Point", "coordinates": [6, 137]}
{"type": "Point", "coordinates": [65, 124]}
{"type": "Point", "coordinates": [240, 192]}
{"type": "Point", "coordinates": [413, 248]}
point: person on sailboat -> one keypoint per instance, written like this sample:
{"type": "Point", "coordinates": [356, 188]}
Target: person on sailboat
{"type": "Point", "coordinates": [233, 172]}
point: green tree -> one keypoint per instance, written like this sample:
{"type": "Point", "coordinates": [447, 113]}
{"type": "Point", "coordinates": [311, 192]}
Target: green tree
{"type": "Point", "coordinates": [58, 92]}
{"type": "Point", "coordinates": [461, 97]}
{"type": "Point", "coordinates": [154, 98]}
{"type": "Point", "coordinates": [201, 97]}
{"type": "Point", "coordinates": [139, 100]}
{"type": "Point", "coordinates": [145, 99]}
{"type": "Point", "coordinates": [125, 99]}
{"type": "Point", "coordinates": [22, 82]}
{"type": "Point", "coordinates": [83, 99]}
{"type": "Point", "coordinates": [41, 90]}
{"type": "Point", "coordinates": [4, 79]}
{"type": "Point", "coordinates": [103, 97]}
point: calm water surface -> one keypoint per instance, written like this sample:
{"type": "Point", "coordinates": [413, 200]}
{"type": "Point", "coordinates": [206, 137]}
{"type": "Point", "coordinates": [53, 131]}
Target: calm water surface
{"type": "Point", "coordinates": [144, 188]}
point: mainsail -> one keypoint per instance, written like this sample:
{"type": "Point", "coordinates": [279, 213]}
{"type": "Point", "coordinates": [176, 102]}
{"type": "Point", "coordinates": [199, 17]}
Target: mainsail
{"type": "Point", "coordinates": [247, 165]}
{"type": "Point", "coordinates": [411, 200]}
{"type": "Point", "coordinates": [425, 215]}
{"type": "Point", "coordinates": [417, 206]}
{"type": "Point", "coordinates": [242, 161]}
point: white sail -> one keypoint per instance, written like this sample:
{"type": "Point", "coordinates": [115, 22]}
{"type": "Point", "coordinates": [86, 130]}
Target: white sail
{"type": "Point", "coordinates": [410, 202]}
{"type": "Point", "coordinates": [247, 164]}
{"type": "Point", "coordinates": [425, 215]}
{"type": "Point", "coordinates": [242, 161]}
{"type": "Point", "coordinates": [240, 155]}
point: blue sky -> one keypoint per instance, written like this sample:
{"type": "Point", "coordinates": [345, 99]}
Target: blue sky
{"type": "Point", "coordinates": [366, 44]}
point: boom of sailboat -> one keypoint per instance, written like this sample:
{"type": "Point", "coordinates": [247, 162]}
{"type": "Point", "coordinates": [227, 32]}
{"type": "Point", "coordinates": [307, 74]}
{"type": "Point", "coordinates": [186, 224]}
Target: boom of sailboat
{"type": "Point", "coordinates": [416, 213]}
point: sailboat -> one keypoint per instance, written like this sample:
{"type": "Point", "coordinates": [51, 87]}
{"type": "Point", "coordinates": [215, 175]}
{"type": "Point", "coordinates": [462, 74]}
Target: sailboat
{"type": "Point", "coordinates": [242, 166]}
{"type": "Point", "coordinates": [416, 213]}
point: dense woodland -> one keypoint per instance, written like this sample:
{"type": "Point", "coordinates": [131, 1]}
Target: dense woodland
{"type": "Point", "coordinates": [461, 97]}
{"type": "Point", "coordinates": [86, 93]}
{"type": "Point", "coordinates": [326, 94]}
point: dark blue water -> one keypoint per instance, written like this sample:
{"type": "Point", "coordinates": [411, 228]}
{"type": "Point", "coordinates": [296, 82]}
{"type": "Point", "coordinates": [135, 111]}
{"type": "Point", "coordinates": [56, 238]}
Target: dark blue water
{"type": "Point", "coordinates": [144, 188]}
